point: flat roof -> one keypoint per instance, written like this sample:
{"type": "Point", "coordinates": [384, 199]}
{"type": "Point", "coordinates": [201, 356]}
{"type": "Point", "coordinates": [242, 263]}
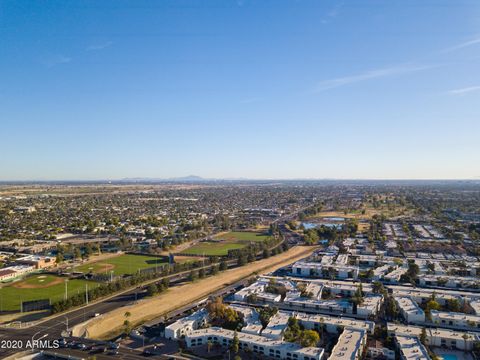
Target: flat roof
{"type": "Point", "coordinates": [408, 305]}
{"type": "Point", "coordinates": [411, 348]}
{"type": "Point", "coordinates": [348, 344]}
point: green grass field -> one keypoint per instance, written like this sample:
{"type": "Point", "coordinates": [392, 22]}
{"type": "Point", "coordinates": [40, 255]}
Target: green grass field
{"type": "Point", "coordinates": [38, 287]}
{"type": "Point", "coordinates": [210, 248]}
{"type": "Point", "coordinates": [123, 264]}
{"type": "Point", "coordinates": [228, 241]}
{"type": "Point", "coordinates": [242, 236]}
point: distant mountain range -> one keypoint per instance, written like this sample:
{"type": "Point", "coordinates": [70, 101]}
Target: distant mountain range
{"type": "Point", "coordinates": [189, 178]}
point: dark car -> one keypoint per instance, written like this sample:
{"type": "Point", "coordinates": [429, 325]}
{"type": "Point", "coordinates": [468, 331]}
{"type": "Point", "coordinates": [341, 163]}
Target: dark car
{"type": "Point", "coordinates": [79, 346]}
{"type": "Point", "coordinates": [98, 350]}
{"type": "Point", "coordinates": [147, 353]}
{"type": "Point", "coordinates": [62, 343]}
{"type": "Point", "coordinates": [113, 346]}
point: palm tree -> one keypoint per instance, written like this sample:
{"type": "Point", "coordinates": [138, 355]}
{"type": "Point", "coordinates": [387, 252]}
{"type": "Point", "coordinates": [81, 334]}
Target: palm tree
{"type": "Point", "coordinates": [465, 337]}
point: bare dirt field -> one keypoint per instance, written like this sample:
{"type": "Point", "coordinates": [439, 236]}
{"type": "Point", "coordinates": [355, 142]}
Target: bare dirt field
{"type": "Point", "coordinates": [180, 296]}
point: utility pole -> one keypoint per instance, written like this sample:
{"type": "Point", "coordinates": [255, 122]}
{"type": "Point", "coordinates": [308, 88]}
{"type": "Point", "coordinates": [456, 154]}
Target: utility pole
{"type": "Point", "coordinates": [66, 289]}
{"type": "Point", "coordinates": [66, 322]}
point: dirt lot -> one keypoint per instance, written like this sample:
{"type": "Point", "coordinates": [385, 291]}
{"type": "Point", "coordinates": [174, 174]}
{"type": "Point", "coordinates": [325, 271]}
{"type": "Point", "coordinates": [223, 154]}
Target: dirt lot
{"type": "Point", "coordinates": [182, 295]}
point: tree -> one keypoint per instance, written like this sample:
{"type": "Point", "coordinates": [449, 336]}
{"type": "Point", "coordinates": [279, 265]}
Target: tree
{"type": "Point", "coordinates": [311, 236]}
{"type": "Point", "coordinates": [127, 327]}
{"type": "Point", "coordinates": [223, 265]}
{"type": "Point", "coordinates": [378, 288]}
{"type": "Point", "coordinates": [88, 251]}
{"type": "Point", "coordinates": [76, 253]}
{"type": "Point", "coordinates": [357, 298]}
{"type": "Point", "coordinates": [242, 260]}
{"type": "Point", "coordinates": [390, 307]}
{"type": "Point", "coordinates": [235, 343]}
{"type": "Point", "coordinates": [193, 276]}
{"type": "Point", "coordinates": [465, 337]}
{"type": "Point", "coordinates": [293, 331]}
{"type": "Point", "coordinates": [309, 338]}
{"type": "Point", "coordinates": [423, 337]}
{"type": "Point", "coordinates": [432, 304]}
{"type": "Point", "coordinates": [152, 290]}
{"type": "Point", "coordinates": [127, 324]}
{"type": "Point", "coordinates": [453, 305]}
{"type": "Point", "coordinates": [266, 314]}
{"type": "Point", "coordinates": [222, 315]}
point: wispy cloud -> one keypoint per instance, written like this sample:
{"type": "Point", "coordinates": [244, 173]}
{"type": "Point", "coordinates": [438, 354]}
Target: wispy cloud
{"type": "Point", "coordinates": [55, 59]}
{"type": "Point", "coordinates": [370, 75]}
{"type": "Point", "coordinates": [462, 45]}
{"type": "Point", "coordinates": [99, 46]}
{"type": "Point", "coordinates": [332, 14]}
{"type": "Point", "coordinates": [464, 90]}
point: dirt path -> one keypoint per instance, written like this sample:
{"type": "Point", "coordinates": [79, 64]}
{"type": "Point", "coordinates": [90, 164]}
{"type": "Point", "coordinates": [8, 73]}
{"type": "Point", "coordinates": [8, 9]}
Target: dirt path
{"type": "Point", "coordinates": [185, 294]}
{"type": "Point", "coordinates": [179, 248]}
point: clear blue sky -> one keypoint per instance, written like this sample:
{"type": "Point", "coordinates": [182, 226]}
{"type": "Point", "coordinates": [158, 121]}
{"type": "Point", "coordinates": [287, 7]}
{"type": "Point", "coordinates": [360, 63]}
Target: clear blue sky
{"type": "Point", "coordinates": [257, 89]}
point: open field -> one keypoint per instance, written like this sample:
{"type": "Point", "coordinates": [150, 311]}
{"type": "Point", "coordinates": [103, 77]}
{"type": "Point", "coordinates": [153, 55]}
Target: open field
{"type": "Point", "coordinates": [340, 214]}
{"type": "Point", "coordinates": [185, 294]}
{"type": "Point", "coordinates": [241, 236]}
{"type": "Point", "coordinates": [368, 215]}
{"type": "Point", "coordinates": [224, 242]}
{"type": "Point", "coordinates": [212, 248]}
{"type": "Point", "coordinates": [123, 264]}
{"type": "Point", "coordinates": [38, 287]}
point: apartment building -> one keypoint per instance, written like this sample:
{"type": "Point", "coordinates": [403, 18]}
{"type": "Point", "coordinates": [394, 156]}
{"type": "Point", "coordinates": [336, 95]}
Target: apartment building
{"type": "Point", "coordinates": [276, 349]}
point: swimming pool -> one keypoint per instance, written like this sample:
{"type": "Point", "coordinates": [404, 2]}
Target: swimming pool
{"type": "Point", "coordinates": [449, 357]}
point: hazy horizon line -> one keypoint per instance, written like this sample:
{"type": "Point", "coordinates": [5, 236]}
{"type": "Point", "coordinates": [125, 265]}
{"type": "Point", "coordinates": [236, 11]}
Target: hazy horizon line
{"type": "Point", "coordinates": [206, 179]}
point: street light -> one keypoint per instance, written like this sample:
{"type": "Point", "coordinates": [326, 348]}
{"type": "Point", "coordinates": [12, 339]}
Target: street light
{"type": "Point", "coordinates": [33, 336]}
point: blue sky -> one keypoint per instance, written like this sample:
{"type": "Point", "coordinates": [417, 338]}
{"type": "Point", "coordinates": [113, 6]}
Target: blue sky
{"type": "Point", "coordinates": [257, 89]}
